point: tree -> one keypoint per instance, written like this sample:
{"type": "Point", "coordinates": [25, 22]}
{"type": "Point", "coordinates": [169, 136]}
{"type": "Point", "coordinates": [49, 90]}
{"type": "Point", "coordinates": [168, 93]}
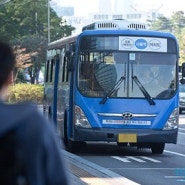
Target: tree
{"type": "Point", "coordinates": [182, 46]}
{"type": "Point", "coordinates": [23, 61]}
{"type": "Point", "coordinates": [25, 24]}
{"type": "Point", "coordinates": [178, 21]}
{"type": "Point", "coordinates": [161, 24]}
{"type": "Point", "coordinates": [21, 18]}
{"type": "Point", "coordinates": [3, 2]}
{"type": "Point", "coordinates": [176, 25]}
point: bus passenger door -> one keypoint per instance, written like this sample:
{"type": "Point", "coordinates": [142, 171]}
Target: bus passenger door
{"type": "Point", "coordinates": [55, 87]}
{"type": "Point", "coordinates": [50, 89]}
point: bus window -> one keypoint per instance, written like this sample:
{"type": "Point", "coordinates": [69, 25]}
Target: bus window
{"type": "Point", "coordinates": [156, 74]}
{"type": "Point", "coordinates": [99, 72]}
{"type": "Point", "coordinates": [65, 70]}
{"type": "Point", "coordinates": [47, 71]}
{"type": "Point", "coordinates": [62, 53]}
{"type": "Point", "coordinates": [51, 70]}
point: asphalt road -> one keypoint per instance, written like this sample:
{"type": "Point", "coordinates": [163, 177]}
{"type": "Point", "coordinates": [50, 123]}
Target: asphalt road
{"type": "Point", "coordinates": [112, 163]}
{"type": "Point", "coordinates": [141, 166]}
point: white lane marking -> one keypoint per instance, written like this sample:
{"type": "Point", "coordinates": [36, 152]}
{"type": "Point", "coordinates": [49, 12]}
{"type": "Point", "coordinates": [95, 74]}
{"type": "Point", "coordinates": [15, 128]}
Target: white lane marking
{"type": "Point", "coordinates": [130, 158]}
{"type": "Point", "coordinates": [144, 168]}
{"type": "Point", "coordinates": [181, 133]}
{"type": "Point", "coordinates": [173, 177]}
{"type": "Point", "coordinates": [150, 159]}
{"type": "Point", "coordinates": [175, 153]}
{"type": "Point", "coordinates": [136, 159]}
{"type": "Point", "coordinates": [181, 128]}
{"type": "Point", "coordinates": [125, 160]}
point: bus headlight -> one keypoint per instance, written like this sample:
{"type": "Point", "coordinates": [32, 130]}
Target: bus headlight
{"type": "Point", "coordinates": [80, 118]}
{"type": "Point", "coordinates": [173, 120]}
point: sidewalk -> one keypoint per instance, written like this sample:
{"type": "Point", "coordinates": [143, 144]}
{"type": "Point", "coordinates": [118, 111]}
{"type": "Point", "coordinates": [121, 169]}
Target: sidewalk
{"type": "Point", "coordinates": [84, 172]}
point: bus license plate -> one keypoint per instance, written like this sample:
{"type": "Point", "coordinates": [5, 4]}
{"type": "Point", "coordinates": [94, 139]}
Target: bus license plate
{"type": "Point", "coordinates": [124, 138]}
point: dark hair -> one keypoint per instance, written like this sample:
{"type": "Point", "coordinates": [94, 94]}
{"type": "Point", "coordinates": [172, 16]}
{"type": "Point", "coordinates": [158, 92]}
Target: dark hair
{"type": "Point", "coordinates": [7, 62]}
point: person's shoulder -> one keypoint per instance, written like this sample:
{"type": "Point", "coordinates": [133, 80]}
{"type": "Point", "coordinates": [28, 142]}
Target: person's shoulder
{"type": "Point", "coordinates": [20, 109]}
{"type": "Point", "coordinates": [19, 112]}
{"type": "Point", "coordinates": [30, 117]}
{"type": "Point", "coordinates": [29, 111]}
{"type": "Point", "coordinates": [14, 115]}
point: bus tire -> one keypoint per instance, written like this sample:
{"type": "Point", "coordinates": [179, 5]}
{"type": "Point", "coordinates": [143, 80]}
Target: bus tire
{"type": "Point", "coordinates": [65, 138]}
{"type": "Point", "coordinates": [74, 146]}
{"type": "Point", "coordinates": [157, 148]}
{"type": "Point", "coordinates": [49, 112]}
{"type": "Point", "coordinates": [180, 111]}
{"type": "Point", "coordinates": [71, 146]}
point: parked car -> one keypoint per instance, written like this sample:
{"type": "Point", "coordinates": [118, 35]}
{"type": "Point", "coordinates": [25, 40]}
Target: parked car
{"type": "Point", "coordinates": [181, 98]}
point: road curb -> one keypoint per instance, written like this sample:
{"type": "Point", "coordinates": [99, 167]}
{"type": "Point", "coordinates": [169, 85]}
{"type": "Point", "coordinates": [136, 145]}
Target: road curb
{"type": "Point", "coordinates": [94, 172]}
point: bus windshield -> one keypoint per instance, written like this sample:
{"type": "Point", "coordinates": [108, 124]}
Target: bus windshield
{"type": "Point", "coordinates": [126, 74]}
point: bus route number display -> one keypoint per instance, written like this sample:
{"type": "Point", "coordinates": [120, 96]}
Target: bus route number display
{"type": "Point", "coordinates": [143, 44]}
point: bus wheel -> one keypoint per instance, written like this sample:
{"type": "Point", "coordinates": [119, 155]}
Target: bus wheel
{"type": "Point", "coordinates": [157, 148]}
{"type": "Point", "coordinates": [49, 112]}
{"type": "Point", "coordinates": [71, 146]}
{"type": "Point", "coordinates": [65, 138]}
{"type": "Point", "coordinates": [74, 146]}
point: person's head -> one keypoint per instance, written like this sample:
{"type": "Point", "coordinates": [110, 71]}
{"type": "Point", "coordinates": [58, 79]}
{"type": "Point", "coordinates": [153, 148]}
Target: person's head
{"type": "Point", "coordinates": [146, 76]}
{"type": "Point", "coordinates": [7, 63]}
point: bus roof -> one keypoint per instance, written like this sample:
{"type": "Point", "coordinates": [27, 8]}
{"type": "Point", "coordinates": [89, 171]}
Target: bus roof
{"type": "Point", "coordinates": [108, 27]}
{"type": "Point", "coordinates": [114, 24]}
{"type": "Point", "coordinates": [65, 40]}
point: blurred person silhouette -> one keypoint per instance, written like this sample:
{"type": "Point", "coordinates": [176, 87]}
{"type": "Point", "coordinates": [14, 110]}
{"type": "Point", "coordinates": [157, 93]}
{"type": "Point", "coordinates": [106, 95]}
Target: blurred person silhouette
{"type": "Point", "coordinates": [146, 76]}
{"type": "Point", "coordinates": [30, 153]}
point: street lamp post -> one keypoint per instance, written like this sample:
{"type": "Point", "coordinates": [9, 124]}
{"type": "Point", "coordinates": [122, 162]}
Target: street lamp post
{"type": "Point", "coordinates": [48, 22]}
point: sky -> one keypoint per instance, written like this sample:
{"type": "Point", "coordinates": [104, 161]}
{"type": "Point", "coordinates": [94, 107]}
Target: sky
{"type": "Point", "coordinates": [83, 7]}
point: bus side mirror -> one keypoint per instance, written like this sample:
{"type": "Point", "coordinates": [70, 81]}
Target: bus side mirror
{"type": "Point", "coordinates": [183, 70]}
{"type": "Point", "coordinates": [182, 81]}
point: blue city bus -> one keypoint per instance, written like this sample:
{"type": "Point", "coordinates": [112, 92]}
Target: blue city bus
{"type": "Point", "coordinates": [116, 81]}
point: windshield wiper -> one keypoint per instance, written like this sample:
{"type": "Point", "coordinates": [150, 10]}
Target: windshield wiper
{"type": "Point", "coordinates": [143, 90]}
{"type": "Point", "coordinates": [115, 87]}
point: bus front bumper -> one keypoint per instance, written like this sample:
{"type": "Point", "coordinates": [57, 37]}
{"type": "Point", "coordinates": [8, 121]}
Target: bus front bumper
{"type": "Point", "coordinates": [113, 135]}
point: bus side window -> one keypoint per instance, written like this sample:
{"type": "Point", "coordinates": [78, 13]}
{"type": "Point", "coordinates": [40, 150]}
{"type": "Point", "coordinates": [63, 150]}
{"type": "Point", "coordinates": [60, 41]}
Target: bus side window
{"type": "Point", "coordinates": [47, 71]}
{"type": "Point", "coordinates": [51, 70]}
{"type": "Point", "coordinates": [65, 70]}
{"type": "Point", "coordinates": [62, 52]}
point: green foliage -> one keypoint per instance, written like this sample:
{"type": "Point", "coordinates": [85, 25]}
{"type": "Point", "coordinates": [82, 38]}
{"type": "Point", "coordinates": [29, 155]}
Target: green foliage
{"type": "Point", "coordinates": [27, 18]}
{"type": "Point", "coordinates": [24, 23]}
{"type": "Point", "coordinates": [175, 25]}
{"type": "Point", "coordinates": [26, 92]}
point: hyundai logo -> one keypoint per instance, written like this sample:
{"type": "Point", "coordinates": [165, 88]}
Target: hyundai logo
{"type": "Point", "coordinates": [127, 115]}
